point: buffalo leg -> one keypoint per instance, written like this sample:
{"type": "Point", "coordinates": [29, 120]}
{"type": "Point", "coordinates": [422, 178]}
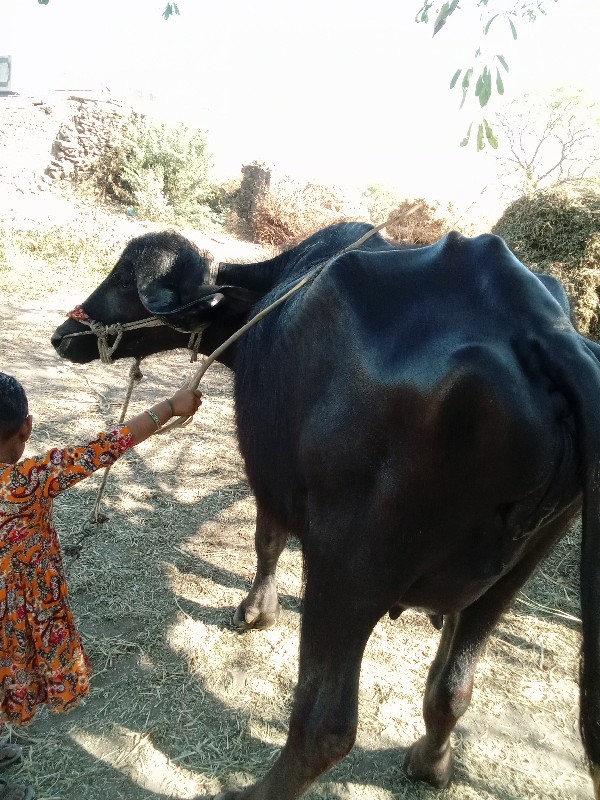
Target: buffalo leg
{"type": "Point", "coordinates": [260, 609]}
{"type": "Point", "coordinates": [450, 680]}
{"type": "Point", "coordinates": [336, 625]}
{"type": "Point", "coordinates": [447, 695]}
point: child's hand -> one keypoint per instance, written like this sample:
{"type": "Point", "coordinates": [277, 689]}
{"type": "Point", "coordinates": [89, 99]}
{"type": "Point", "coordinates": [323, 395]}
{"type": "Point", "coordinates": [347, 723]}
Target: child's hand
{"type": "Point", "coordinates": [186, 402]}
{"type": "Point", "coordinates": [183, 403]}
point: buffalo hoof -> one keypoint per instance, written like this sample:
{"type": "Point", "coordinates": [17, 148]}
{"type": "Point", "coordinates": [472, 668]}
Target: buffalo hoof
{"type": "Point", "coordinates": [395, 611]}
{"type": "Point", "coordinates": [234, 794]}
{"type": "Point", "coordinates": [595, 773]}
{"type": "Point", "coordinates": [437, 620]}
{"type": "Point", "coordinates": [423, 763]}
{"type": "Point", "coordinates": [257, 613]}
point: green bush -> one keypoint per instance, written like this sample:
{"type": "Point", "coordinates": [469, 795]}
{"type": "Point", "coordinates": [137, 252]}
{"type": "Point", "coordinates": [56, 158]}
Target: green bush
{"type": "Point", "coordinates": [557, 230]}
{"type": "Point", "coordinates": [222, 198]}
{"type": "Point", "coordinates": [163, 172]}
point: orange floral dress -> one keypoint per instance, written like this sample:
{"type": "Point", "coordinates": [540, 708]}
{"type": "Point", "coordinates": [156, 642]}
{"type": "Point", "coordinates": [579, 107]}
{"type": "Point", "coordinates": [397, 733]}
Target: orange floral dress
{"type": "Point", "coordinates": [42, 660]}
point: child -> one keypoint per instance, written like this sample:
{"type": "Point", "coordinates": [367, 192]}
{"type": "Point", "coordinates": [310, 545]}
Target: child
{"type": "Point", "coordinates": [42, 660]}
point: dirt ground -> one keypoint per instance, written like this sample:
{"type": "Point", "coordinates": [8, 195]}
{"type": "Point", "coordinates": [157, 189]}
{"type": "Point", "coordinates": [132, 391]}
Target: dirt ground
{"type": "Point", "coordinates": [181, 705]}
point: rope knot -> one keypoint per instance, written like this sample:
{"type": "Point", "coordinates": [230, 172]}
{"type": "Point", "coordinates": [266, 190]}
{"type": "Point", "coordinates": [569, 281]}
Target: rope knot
{"type": "Point", "coordinates": [105, 349]}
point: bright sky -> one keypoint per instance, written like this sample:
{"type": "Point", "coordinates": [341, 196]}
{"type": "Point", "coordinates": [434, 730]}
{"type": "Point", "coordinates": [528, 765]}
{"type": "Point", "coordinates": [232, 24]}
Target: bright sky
{"type": "Point", "coordinates": [336, 90]}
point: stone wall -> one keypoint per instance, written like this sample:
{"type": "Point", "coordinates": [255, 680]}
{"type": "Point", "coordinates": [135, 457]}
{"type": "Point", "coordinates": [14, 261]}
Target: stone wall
{"type": "Point", "coordinates": [59, 137]}
{"type": "Point", "coordinates": [94, 126]}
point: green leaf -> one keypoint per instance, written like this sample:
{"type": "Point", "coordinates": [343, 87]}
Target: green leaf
{"type": "Point", "coordinates": [455, 77]}
{"type": "Point", "coordinates": [503, 61]}
{"type": "Point", "coordinates": [467, 78]}
{"type": "Point", "coordinates": [513, 29]}
{"type": "Point", "coordinates": [487, 27]}
{"type": "Point", "coordinates": [499, 83]}
{"type": "Point", "coordinates": [465, 84]}
{"type": "Point", "coordinates": [490, 135]}
{"type": "Point", "coordinates": [478, 85]}
{"type": "Point", "coordinates": [480, 139]}
{"type": "Point", "coordinates": [483, 87]}
{"type": "Point", "coordinates": [170, 9]}
{"type": "Point", "coordinates": [423, 13]}
{"type": "Point", "coordinates": [442, 17]}
{"type": "Point", "coordinates": [485, 91]}
{"type": "Point", "coordinates": [465, 141]}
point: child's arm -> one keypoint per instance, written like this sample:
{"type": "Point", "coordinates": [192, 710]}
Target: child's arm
{"type": "Point", "coordinates": [59, 469]}
{"type": "Point", "coordinates": [184, 403]}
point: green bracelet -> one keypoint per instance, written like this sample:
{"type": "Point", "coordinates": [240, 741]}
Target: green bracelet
{"type": "Point", "coordinates": [171, 406]}
{"type": "Point", "coordinates": [155, 418]}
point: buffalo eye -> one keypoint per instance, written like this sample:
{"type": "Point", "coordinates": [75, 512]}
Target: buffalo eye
{"type": "Point", "coordinates": [124, 278]}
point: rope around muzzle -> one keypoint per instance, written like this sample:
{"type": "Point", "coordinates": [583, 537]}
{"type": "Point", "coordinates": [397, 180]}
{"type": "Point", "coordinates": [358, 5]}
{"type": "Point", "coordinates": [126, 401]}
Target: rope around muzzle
{"type": "Point", "coordinates": [103, 332]}
{"type": "Point", "coordinates": [117, 329]}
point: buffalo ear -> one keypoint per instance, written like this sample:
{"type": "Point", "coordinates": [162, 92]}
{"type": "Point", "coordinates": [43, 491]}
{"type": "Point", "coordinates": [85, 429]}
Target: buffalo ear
{"type": "Point", "coordinates": [208, 304]}
{"type": "Point", "coordinates": [194, 315]}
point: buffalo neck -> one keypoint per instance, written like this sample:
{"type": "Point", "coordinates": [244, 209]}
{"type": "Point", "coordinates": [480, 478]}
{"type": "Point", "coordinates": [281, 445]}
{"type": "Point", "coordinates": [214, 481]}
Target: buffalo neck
{"type": "Point", "coordinates": [260, 277]}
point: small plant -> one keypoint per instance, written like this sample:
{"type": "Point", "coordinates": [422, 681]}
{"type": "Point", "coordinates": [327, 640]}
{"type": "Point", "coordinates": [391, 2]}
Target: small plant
{"type": "Point", "coordinates": [163, 173]}
{"type": "Point", "coordinates": [222, 198]}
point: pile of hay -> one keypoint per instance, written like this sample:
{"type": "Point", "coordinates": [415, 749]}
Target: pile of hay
{"type": "Point", "coordinates": [290, 211]}
{"type": "Point", "coordinates": [558, 231]}
{"type": "Point", "coordinates": [424, 226]}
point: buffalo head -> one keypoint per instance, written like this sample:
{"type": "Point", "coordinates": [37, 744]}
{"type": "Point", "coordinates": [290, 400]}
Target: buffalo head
{"type": "Point", "coordinates": [161, 277]}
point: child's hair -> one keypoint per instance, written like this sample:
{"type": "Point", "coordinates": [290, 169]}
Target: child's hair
{"type": "Point", "coordinates": [13, 406]}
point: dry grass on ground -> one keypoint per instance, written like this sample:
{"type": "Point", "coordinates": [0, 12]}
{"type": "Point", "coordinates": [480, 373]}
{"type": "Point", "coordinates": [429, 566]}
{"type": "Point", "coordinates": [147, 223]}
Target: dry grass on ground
{"type": "Point", "coordinates": [181, 704]}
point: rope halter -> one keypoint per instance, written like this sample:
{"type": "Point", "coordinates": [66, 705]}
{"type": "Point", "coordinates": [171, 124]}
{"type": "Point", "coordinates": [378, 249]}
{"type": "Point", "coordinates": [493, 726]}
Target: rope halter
{"type": "Point", "coordinates": [104, 333]}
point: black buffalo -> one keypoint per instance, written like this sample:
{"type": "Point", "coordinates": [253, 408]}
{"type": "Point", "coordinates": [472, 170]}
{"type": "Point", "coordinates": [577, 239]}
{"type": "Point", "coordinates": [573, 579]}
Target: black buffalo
{"type": "Point", "coordinates": [424, 420]}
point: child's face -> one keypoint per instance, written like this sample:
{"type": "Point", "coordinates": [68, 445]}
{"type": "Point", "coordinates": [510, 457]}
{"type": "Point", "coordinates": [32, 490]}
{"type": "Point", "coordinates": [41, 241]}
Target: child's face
{"type": "Point", "coordinates": [12, 449]}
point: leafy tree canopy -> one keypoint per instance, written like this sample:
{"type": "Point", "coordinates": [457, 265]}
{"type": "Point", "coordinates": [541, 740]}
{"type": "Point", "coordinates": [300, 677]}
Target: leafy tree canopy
{"type": "Point", "coordinates": [484, 74]}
